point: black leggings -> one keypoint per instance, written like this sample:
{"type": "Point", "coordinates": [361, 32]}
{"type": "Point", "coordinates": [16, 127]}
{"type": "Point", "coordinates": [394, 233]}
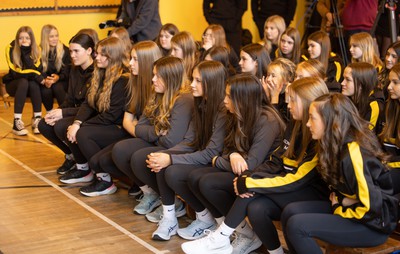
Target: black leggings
{"type": "Point", "coordinates": [102, 162]}
{"type": "Point", "coordinates": [303, 221]}
{"type": "Point", "coordinates": [57, 90]}
{"type": "Point", "coordinates": [183, 179]}
{"type": "Point", "coordinates": [217, 188]}
{"type": "Point", "coordinates": [57, 132]}
{"type": "Point", "coordinates": [92, 138]}
{"type": "Point", "coordinates": [20, 89]}
{"type": "Point", "coordinates": [262, 210]}
{"type": "Point", "coordinates": [122, 153]}
{"type": "Point", "coordinates": [155, 180]}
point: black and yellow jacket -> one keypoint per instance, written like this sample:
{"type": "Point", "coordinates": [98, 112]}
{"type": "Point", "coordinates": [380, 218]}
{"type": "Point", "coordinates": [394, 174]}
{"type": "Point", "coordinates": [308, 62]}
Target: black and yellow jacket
{"type": "Point", "coordinates": [375, 113]}
{"type": "Point", "coordinates": [281, 174]}
{"type": "Point", "coordinates": [366, 179]}
{"type": "Point", "coordinates": [30, 70]}
{"type": "Point", "coordinates": [334, 72]}
{"type": "Point", "coordinates": [389, 145]}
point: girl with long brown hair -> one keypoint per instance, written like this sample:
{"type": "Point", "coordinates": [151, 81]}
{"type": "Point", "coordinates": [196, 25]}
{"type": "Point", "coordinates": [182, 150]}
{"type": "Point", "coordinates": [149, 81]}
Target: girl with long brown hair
{"type": "Point", "coordinates": [139, 90]}
{"type": "Point", "coordinates": [162, 125]}
{"type": "Point", "coordinates": [97, 123]}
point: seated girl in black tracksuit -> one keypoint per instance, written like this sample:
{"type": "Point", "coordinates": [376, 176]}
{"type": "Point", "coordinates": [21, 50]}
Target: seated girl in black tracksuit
{"type": "Point", "coordinates": [361, 211]}
{"type": "Point", "coordinates": [55, 123]}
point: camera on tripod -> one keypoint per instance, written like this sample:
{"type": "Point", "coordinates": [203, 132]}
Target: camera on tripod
{"type": "Point", "coordinates": [115, 23]}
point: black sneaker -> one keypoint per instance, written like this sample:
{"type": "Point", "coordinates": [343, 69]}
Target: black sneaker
{"type": "Point", "coordinates": [98, 187]}
{"type": "Point", "coordinates": [66, 166]}
{"type": "Point", "coordinates": [19, 127]}
{"type": "Point", "coordinates": [77, 176]}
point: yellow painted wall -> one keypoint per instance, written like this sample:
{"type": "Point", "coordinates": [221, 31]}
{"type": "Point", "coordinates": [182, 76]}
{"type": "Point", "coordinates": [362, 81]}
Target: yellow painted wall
{"type": "Point", "coordinates": [187, 15]}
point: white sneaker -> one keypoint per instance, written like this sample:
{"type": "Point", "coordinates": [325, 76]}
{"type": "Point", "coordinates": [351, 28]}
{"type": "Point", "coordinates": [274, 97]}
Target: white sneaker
{"type": "Point", "coordinates": [35, 124]}
{"type": "Point", "coordinates": [155, 216]}
{"type": "Point", "coordinates": [244, 245]}
{"type": "Point", "coordinates": [196, 230]}
{"type": "Point", "coordinates": [166, 229]}
{"type": "Point", "coordinates": [147, 204]}
{"type": "Point", "coordinates": [208, 244]}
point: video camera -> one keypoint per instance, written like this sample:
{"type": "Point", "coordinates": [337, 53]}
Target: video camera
{"type": "Point", "coordinates": [115, 23]}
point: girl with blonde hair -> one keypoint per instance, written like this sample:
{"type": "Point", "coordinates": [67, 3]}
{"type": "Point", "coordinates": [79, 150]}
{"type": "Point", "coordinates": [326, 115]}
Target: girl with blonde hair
{"type": "Point", "coordinates": [273, 28]}
{"type": "Point", "coordinates": [362, 49]}
{"type": "Point", "coordinates": [24, 77]}
{"type": "Point", "coordinates": [56, 63]}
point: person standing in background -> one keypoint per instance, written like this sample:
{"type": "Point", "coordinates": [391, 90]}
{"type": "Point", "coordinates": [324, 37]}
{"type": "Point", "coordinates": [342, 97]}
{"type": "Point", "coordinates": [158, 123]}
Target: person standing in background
{"type": "Point", "coordinates": [228, 14]}
{"type": "Point", "coordinates": [263, 9]}
{"type": "Point", "coordinates": [141, 18]}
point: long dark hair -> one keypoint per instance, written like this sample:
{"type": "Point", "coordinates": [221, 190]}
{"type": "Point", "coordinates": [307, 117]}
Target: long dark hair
{"type": "Point", "coordinates": [392, 116]}
{"type": "Point", "coordinates": [365, 80]}
{"type": "Point", "coordinates": [250, 103]}
{"type": "Point", "coordinates": [213, 77]}
{"type": "Point", "coordinates": [343, 124]}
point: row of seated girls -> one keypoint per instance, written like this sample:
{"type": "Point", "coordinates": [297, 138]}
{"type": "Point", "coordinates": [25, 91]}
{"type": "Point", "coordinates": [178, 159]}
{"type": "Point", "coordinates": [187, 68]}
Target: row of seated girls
{"type": "Point", "coordinates": [243, 140]}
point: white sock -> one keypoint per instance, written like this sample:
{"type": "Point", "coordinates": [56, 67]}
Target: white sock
{"type": "Point", "coordinates": [84, 166]}
{"type": "Point", "coordinates": [104, 176]}
{"type": "Point", "coordinates": [223, 231]}
{"type": "Point", "coordinates": [69, 157]}
{"type": "Point", "coordinates": [205, 216]}
{"type": "Point", "coordinates": [219, 220]}
{"type": "Point", "coordinates": [245, 229]}
{"type": "Point", "coordinates": [169, 212]}
{"type": "Point", "coordinates": [19, 116]}
{"type": "Point", "coordinates": [37, 114]}
{"type": "Point", "coordinates": [276, 251]}
{"type": "Point", "coordinates": [147, 190]}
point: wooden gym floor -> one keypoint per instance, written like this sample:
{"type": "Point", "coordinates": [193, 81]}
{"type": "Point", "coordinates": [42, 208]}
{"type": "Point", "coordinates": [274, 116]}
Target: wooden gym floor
{"type": "Point", "coordinates": [38, 214]}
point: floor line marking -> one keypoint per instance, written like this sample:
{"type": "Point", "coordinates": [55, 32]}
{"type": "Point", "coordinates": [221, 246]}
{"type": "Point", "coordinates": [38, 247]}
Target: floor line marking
{"type": "Point", "coordinates": [90, 209]}
{"type": "Point", "coordinates": [34, 137]}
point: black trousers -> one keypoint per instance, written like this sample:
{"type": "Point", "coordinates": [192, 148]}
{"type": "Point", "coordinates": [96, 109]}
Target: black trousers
{"type": "Point", "coordinates": [56, 134]}
{"type": "Point", "coordinates": [57, 90]}
{"type": "Point", "coordinates": [92, 138]}
{"type": "Point", "coordinates": [20, 89]}
{"type": "Point", "coordinates": [122, 154]}
{"type": "Point", "coordinates": [184, 180]}
{"type": "Point", "coordinates": [304, 221]}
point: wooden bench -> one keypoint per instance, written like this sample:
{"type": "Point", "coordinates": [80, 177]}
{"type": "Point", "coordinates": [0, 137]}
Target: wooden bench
{"type": "Point", "coordinates": [4, 96]}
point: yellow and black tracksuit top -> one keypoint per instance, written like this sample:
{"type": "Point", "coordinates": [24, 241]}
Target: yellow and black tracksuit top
{"type": "Point", "coordinates": [334, 72]}
{"type": "Point", "coordinates": [375, 112]}
{"type": "Point", "coordinates": [366, 179]}
{"type": "Point", "coordinates": [389, 145]}
{"type": "Point", "coordinates": [30, 70]}
{"type": "Point", "coordinates": [281, 174]}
